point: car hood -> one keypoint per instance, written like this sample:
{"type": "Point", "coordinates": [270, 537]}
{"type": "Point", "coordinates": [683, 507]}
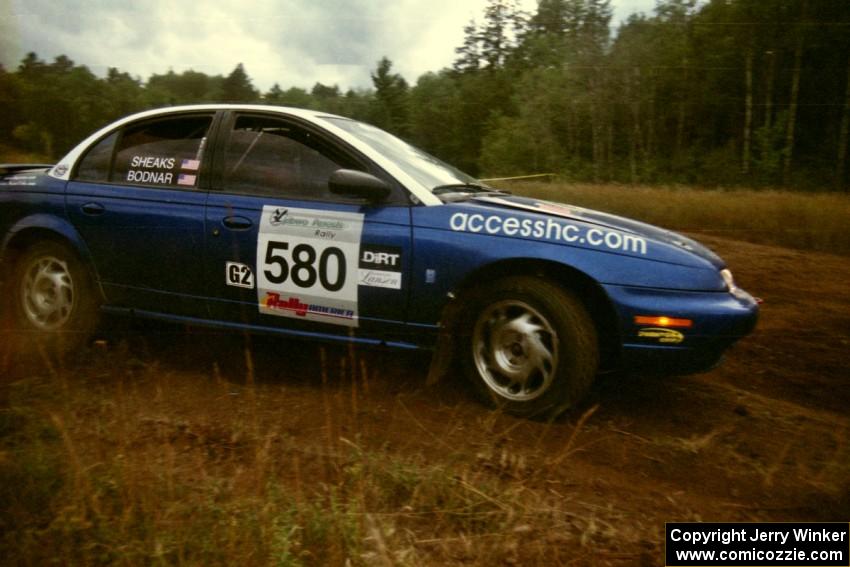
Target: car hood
{"type": "Point", "coordinates": [605, 220]}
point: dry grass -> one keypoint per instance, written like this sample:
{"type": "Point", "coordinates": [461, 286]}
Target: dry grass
{"type": "Point", "coordinates": [815, 221]}
{"type": "Point", "coordinates": [138, 456]}
{"type": "Point", "coordinates": [117, 461]}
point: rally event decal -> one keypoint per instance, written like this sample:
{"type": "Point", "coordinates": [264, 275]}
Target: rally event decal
{"type": "Point", "coordinates": [307, 264]}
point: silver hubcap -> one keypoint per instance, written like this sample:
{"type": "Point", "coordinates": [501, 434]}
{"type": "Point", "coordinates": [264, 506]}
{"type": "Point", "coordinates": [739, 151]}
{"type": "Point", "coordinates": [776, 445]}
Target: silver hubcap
{"type": "Point", "coordinates": [48, 293]}
{"type": "Point", "coordinates": [515, 350]}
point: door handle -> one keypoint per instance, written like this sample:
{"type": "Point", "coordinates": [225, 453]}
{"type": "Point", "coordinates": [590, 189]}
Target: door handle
{"type": "Point", "coordinates": [237, 223]}
{"type": "Point", "coordinates": [93, 209]}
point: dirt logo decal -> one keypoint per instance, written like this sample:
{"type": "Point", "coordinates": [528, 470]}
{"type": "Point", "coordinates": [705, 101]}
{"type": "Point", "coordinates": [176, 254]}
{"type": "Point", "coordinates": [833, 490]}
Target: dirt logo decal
{"type": "Point", "coordinates": [308, 264]}
{"type": "Point", "coordinates": [380, 266]}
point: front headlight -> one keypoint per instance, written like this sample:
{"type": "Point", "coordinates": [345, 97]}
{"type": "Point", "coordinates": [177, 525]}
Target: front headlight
{"type": "Point", "coordinates": [731, 286]}
{"type": "Point", "coordinates": [729, 280]}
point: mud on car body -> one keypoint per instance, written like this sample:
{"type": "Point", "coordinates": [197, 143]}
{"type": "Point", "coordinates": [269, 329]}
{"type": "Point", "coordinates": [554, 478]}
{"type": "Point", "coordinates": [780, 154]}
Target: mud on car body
{"type": "Point", "coordinates": [306, 224]}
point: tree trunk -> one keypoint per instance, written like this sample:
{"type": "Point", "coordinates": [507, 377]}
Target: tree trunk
{"type": "Point", "coordinates": [596, 141]}
{"type": "Point", "coordinates": [792, 107]}
{"type": "Point", "coordinates": [841, 162]}
{"type": "Point", "coordinates": [595, 132]}
{"type": "Point", "coordinates": [649, 150]}
{"type": "Point", "coordinates": [748, 112]}
{"type": "Point", "coordinates": [609, 144]}
{"type": "Point", "coordinates": [768, 97]}
{"type": "Point", "coordinates": [636, 145]}
{"type": "Point", "coordinates": [680, 119]}
{"type": "Point", "coordinates": [633, 139]}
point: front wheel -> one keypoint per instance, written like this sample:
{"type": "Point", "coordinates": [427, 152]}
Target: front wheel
{"type": "Point", "coordinates": [532, 346]}
{"type": "Point", "coordinates": [52, 297]}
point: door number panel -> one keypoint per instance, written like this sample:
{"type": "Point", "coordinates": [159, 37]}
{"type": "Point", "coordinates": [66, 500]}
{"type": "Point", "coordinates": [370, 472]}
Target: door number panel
{"type": "Point", "coordinates": [308, 264]}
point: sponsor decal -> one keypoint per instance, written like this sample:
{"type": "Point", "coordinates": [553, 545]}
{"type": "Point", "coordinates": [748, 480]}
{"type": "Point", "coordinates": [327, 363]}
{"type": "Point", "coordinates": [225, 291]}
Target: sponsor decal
{"type": "Point", "coordinates": [312, 256]}
{"type": "Point", "coordinates": [322, 227]}
{"type": "Point", "coordinates": [548, 229]}
{"type": "Point", "coordinates": [300, 309]}
{"type": "Point", "coordinates": [276, 216]}
{"type": "Point", "coordinates": [380, 266]}
{"type": "Point", "coordinates": [664, 336]}
{"type": "Point", "coordinates": [27, 180]}
{"type": "Point", "coordinates": [380, 257]}
{"type": "Point", "coordinates": [239, 275]}
{"type": "Point", "coordinates": [379, 278]}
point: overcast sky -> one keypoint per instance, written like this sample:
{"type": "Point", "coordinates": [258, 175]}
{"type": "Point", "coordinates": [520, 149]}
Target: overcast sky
{"type": "Point", "coordinates": [291, 42]}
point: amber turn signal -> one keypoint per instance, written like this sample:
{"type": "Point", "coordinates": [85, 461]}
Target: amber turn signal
{"type": "Point", "coordinates": [661, 321]}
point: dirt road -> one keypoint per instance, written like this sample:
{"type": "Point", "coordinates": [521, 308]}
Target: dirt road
{"type": "Point", "coordinates": [762, 437]}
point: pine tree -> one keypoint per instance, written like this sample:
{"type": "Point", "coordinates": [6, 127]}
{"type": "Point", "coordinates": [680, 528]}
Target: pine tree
{"type": "Point", "coordinates": [236, 87]}
{"type": "Point", "coordinates": [391, 98]}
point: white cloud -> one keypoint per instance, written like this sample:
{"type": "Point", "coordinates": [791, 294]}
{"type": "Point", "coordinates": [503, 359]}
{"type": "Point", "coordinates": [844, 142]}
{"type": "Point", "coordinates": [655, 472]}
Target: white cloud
{"type": "Point", "coordinates": [291, 42]}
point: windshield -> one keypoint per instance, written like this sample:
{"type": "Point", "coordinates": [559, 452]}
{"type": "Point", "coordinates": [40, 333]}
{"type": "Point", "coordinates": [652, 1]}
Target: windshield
{"type": "Point", "coordinates": [421, 166]}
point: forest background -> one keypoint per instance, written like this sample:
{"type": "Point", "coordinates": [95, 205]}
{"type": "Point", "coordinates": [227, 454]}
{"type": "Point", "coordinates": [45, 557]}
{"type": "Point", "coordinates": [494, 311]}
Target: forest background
{"type": "Point", "coordinates": [749, 93]}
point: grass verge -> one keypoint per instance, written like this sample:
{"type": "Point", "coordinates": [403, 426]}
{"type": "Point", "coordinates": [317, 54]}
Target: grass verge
{"type": "Point", "coordinates": [813, 221]}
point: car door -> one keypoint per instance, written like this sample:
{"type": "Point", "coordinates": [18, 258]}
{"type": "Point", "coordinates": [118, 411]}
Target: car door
{"type": "Point", "coordinates": [283, 251]}
{"type": "Point", "coordinates": [136, 200]}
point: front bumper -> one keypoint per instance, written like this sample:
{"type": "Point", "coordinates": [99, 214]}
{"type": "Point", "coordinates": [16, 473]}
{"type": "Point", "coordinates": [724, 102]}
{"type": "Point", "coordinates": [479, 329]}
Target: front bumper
{"type": "Point", "coordinates": [719, 319]}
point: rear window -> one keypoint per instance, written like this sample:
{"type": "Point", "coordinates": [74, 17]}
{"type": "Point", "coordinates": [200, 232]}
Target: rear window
{"type": "Point", "coordinates": [163, 152]}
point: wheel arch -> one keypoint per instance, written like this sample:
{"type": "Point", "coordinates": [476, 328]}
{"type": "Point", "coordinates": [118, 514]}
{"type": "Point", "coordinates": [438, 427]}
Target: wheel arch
{"type": "Point", "coordinates": [40, 228]}
{"type": "Point", "coordinates": [586, 289]}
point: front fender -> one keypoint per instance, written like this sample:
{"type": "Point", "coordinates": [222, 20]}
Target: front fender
{"type": "Point", "coordinates": [444, 259]}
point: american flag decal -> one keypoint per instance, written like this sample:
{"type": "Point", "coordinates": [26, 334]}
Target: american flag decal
{"type": "Point", "coordinates": [190, 164]}
{"type": "Point", "coordinates": [186, 179]}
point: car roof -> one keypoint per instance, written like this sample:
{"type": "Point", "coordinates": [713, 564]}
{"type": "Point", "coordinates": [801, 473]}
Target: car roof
{"type": "Point", "coordinates": [62, 170]}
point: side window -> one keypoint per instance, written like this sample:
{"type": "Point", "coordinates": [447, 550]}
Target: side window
{"type": "Point", "coordinates": [268, 156]}
{"type": "Point", "coordinates": [96, 163]}
{"type": "Point", "coordinates": [164, 152]}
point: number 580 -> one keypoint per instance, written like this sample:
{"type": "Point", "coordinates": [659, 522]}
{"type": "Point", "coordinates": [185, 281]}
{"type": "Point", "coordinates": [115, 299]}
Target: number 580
{"type": "Point", "coordinates": [303, 270]}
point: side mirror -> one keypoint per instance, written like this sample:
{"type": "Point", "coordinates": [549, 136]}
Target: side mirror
{"type": "Point", "coordinates": [353, 183]}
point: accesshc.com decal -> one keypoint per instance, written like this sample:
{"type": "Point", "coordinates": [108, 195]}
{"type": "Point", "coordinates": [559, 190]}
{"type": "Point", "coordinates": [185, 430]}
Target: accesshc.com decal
{"type": "Point", "coordinates": [549, 229]}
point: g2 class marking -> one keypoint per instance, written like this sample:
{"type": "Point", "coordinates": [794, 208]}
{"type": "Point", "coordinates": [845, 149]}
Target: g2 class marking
{"type": "Point", "coordinates": [239, 275]}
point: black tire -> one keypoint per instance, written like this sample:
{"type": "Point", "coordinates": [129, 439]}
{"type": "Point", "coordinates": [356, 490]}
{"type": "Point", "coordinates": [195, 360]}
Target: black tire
{"type": "Point", "coordinates": [531, 346]}
{"type": "Point", "coordinates": [52, 298]}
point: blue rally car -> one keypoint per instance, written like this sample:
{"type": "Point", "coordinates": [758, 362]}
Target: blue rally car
{"type": "Point", "coordinates": [311, 225]}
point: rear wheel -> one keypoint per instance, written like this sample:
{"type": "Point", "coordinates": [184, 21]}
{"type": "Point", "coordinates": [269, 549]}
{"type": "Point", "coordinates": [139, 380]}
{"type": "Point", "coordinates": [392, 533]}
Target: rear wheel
{"type": "Point", "coordinates": [52, 297]}
{"type": "Point", "coordinates": [532, 347]}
